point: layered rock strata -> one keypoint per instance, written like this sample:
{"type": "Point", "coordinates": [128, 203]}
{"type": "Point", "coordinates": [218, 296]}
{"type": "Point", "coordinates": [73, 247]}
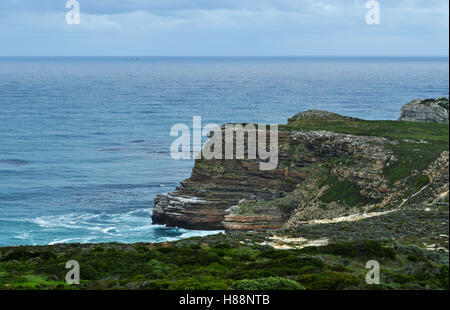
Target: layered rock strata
{"type": "Point", "coordinates": [215, 185]}
{"type": "Point", "coordinates": [426, 110]}
{"type": "Point", "coordinates": [321, 174]}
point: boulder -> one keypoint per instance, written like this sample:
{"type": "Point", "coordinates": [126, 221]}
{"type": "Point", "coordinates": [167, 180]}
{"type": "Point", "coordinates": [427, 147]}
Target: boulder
{"type": "Point", "coordinates": [426, 110]}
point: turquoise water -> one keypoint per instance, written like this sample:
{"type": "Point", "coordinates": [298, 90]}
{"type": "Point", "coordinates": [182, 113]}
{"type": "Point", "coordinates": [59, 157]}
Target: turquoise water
{"type": "Point", "coordinates": [84, 142]}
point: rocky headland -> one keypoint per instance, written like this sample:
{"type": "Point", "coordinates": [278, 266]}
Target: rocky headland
{"type": "Point", "coordinates": [330, 166]}
{"type": "Point", "coordinates": [345, 191]}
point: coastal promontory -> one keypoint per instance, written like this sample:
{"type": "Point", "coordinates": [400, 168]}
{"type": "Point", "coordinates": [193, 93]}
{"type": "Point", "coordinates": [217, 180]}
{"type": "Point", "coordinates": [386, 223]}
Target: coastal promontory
{"type": "Point", "coordinates": [330, 167]}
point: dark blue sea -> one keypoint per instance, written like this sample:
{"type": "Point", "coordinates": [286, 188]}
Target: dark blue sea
{"type": "Point", "coordinates": [84, 142]}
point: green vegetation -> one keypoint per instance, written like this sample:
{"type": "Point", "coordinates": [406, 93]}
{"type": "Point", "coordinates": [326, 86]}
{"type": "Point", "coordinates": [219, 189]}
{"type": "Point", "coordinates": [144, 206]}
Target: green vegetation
{"type": "Point", "coordinates": [365, 248]}
{"type": "Point", "coordinates": [232, 261]}
{"type": "Point", "coordinates": [419, 143]}
{"type": "Point", "coordinates": [442, 102]}
{"type": "Point", "coordinates": [394, 130]}
{"type": "Point", "coordinates": [412, 156]}
{"type": "Point", "coordinates": [331, 281]}
{"type": "Point", "coordinates": [286, 205]}
{"type": "Point", "coordinates": [399, 241]}
{"type": "Point", "coordinates": [415, 145]}
{"type": "Point", "coordinates": [274, 283]}
{"type": "Point", "coordinates": [211, 165]}
{"type": "Point", "coordinates": [345, 192]}
{"type": "Point", "coordinates": [407, 226]}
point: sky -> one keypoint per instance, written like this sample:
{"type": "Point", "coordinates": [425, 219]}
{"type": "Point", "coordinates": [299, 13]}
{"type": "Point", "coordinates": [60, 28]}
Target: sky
{"type": "Point", "coordinates": [224, 28]}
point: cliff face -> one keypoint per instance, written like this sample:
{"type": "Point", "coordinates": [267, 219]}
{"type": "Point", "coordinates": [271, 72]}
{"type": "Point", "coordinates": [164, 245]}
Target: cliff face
{"type": "Point", "coordinates": [426, 110]}
{"type": "Point", "coordinates": [215, 185]}
{"type": "Point", "coordinates": [329, 166]}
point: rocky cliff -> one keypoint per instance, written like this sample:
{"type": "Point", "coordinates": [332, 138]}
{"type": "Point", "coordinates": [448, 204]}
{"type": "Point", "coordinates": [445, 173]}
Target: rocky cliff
{"type": "Point", "coordinates": [330, 166]}
{"type": "Point", "coordinates": [215, 185]}
{"type": "Point", "coordinates": [426, 110]}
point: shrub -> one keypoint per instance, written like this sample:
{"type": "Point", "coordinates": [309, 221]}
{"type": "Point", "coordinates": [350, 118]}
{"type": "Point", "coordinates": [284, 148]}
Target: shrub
{"type": "Point", "coordinates": [330, 281]}
{"type": "Point", "coordinates": [272, 283]}
{"type": "Point", "coordinates": [158, 269]}
{"type": "Point", "coordinates": [200, 283]}
{"type": "Point", "coordinates": [344, 191]}
{"type": "Point", "coordinates": [19, 254]}
{"type": "Point", "coordinates": [289, 265]}
{"type": "Point", "coordinates": [365, 248]}
{"type": "Point", "coordinates": [190, 256]}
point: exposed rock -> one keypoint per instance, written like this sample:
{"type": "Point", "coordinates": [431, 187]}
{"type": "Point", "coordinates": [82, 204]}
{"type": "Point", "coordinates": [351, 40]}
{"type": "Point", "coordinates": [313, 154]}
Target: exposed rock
{"type": "Point", "coordinates": [317, 115]}
{"type": "Point", "coordinates": [216, 185]}
{"type": "Point", "coordinates": [253, 221]}
{"type": "Point", "coordinates": [201, 202]}
{"type": "Point", "coordinates": [426, 110]}
{"type": "Point", "coordinates": [321, 175]}
{"type": "Point", "coordinates": [438, 172]}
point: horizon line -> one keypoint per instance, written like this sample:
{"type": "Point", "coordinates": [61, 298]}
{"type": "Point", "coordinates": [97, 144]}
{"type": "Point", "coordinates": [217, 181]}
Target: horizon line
{"type": "Point", "coordinates": [231, 56]}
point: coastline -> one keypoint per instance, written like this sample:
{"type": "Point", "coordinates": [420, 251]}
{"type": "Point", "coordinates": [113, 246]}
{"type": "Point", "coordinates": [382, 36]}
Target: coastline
{"type": "Point", "coordinates": [404, 227]}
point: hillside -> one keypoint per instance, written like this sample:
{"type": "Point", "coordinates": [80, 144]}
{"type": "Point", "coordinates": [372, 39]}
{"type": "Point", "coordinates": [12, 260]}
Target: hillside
{"type": "Point", "coordinates": [330, 166]}
{"type": "Point", "coordinates": [345, 191]}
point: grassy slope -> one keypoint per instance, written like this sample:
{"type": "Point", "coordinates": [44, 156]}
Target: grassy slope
{"type": "Point", "coordinates": [388, 129]}
{"type": "Point", "coordinates": [411, 155]}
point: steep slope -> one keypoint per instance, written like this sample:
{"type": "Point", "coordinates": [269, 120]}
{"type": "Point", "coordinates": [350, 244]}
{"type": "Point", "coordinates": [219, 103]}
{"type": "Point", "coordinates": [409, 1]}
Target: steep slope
{"type": "Point", "coordinates": [329, 166]}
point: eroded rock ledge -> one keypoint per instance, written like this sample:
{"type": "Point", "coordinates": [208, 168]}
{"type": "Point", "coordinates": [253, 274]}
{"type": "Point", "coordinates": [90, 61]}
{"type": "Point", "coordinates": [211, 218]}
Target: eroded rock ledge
{"type": "Point", "coordinates": [426, 110]}
{"type": "Point", "coordinates": [330, 166]}
{"type": "Point", "coordinates": [215, 185]}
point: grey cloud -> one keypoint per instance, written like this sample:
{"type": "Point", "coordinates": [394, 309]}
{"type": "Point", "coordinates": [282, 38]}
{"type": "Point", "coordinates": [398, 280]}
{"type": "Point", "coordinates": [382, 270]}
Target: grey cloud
{"type": "Point", "coordinates": [155, 6]}
{"type": "Point", "coordinates": [172, 7]}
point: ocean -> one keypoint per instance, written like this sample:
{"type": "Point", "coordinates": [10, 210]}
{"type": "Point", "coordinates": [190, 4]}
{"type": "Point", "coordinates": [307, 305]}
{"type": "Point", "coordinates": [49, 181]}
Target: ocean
{"type": "Point", "coordinates": [84, 142]}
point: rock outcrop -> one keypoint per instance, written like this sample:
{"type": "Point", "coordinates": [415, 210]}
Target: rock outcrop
{"type": "Point", "coordinates": [215, 185]}
{"type": "Point", "coordinates": [426, 110]}
{"type": "Point", "coordinates": [328, 166]}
